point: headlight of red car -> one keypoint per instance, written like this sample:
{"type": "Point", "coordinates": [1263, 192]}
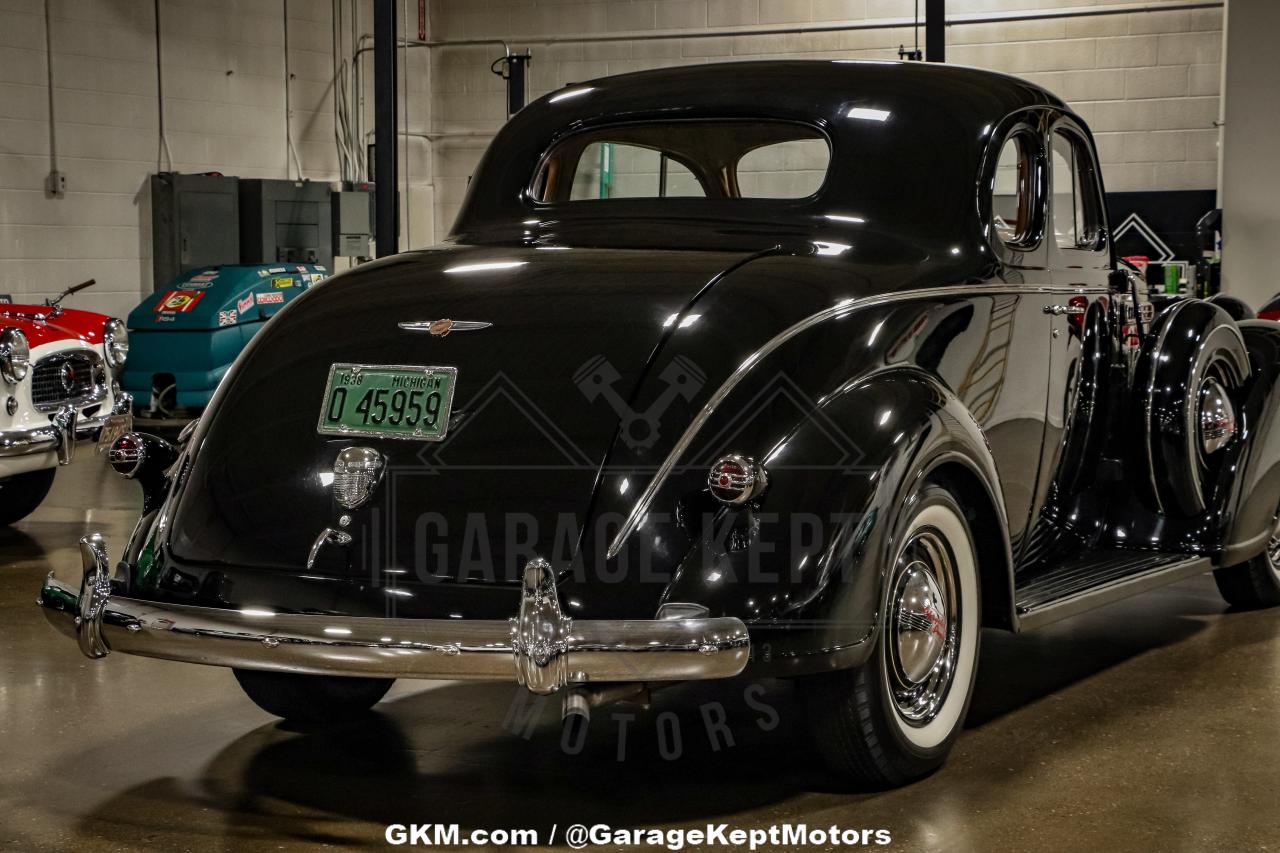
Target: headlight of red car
{"type": "Point", "coordinates": [15, 355]}
{"type": "Point", "coordinates": [115, 339]}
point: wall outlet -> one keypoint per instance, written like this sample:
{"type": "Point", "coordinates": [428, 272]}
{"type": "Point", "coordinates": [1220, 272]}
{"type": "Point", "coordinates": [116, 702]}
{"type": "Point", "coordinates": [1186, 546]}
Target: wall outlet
{"type": "Point", "coordinates": [56, 184]}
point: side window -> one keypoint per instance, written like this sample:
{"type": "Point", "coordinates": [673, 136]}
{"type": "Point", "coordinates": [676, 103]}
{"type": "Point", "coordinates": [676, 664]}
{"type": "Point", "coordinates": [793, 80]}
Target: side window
{"type": "Point", "coordinates": [1077, 209]}
{"type": "Point", "coordinates": [616, 170]}
{"type": "Point", "coordinates": [1013, 192]}
{"type": "Point", "coordinates": [791, 169]}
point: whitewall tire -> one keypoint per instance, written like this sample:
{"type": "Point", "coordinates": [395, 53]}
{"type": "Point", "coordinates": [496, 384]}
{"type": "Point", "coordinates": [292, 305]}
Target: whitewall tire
{"type": "Point", "coordinates": [895, 718]}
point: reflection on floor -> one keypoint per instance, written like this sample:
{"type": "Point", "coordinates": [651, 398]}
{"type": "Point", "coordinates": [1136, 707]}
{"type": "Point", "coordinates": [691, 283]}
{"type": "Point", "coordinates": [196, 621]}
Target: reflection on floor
{"type": "Point", "coordinates": [1152, 724]}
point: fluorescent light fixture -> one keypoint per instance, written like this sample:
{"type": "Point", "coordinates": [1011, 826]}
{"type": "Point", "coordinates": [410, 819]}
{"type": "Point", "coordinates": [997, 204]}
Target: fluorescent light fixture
{"type": "Point", "coordinates": [552, 248]}
{"type": "Point", "coordinates": [823, 247]}
{"type": "Point", "coordinates": [403, 593]}
{"type": "Point", "coordinates": [869, 114]}
{"type": "Point", "coordinates": [844, 217]}
{"type": "Point", "coordinates": [338, 632]}
{"type": "Point", "coordinates": [256, 611]}
{"type": "Point", "coordinates": [488, 266]}
{"type": "Point", "coordinates": [571, 93]}
{"type": "Point", "coordinates": [326, 478]}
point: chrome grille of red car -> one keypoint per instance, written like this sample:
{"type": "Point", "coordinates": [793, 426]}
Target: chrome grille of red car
{"type": "Point", "coordinates": [67, 378]}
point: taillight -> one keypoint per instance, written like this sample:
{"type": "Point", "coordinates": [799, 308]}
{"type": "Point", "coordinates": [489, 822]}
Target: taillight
{"type": "Point", "coordinates": [1075, 317]}
{"type": "Point", "coordinates": [126, 455]}
{"type": "Point", "coordinates": [144, 458]}
{"type": "Point", "coordinates": [735, 479]}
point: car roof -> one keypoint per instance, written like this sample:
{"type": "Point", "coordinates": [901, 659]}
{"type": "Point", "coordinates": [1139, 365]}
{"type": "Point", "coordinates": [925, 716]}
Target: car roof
{"type": "Point", "coordinates": [930, 125]}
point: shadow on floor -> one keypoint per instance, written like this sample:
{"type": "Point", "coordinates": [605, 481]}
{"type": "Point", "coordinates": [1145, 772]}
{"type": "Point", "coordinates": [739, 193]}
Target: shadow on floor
{"type": "Point", "coordinates": [701, 752]}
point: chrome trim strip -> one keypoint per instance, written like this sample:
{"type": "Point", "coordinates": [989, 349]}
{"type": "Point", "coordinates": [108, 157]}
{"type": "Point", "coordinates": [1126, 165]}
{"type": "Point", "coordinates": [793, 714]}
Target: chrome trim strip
{"type": "Point", "coordinates": [541, 648]}
{"type": "Point", "coordinates": [840, 309]}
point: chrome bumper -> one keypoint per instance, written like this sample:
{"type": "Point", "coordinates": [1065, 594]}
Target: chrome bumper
{"type": "Point", "coordinates": [60, 434]}
{"type": "Point", "coordinates": [540, 648]}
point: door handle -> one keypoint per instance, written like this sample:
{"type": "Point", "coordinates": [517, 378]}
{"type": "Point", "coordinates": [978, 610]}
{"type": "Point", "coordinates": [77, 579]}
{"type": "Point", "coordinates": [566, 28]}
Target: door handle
{"type": "Point", "coordinates": [1059, 310]}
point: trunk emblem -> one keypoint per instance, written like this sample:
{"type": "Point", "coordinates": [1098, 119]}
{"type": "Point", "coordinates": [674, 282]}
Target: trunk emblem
{"type": "Point", "coordinates": [440, 328]}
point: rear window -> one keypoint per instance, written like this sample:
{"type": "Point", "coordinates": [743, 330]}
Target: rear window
{"type": "Point", "coordinates": [685, 159]}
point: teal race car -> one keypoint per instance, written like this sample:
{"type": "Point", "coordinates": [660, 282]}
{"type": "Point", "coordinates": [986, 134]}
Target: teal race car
{"type": "Point", "coordinates": [184, 336]}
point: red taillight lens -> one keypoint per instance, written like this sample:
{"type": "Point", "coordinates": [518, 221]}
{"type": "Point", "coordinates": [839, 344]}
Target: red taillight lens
{"type": "Point", "coordinates": [126, 454]}
{"type": "Point", "coordinates": [1079, 306]}
{"type": "Point", "coordinates": [735, 479]}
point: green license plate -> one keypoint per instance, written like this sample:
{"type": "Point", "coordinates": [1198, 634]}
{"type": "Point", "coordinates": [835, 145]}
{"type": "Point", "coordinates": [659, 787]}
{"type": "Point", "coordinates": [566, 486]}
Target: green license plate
{"type": "Point", "coordinates": [388, 401]}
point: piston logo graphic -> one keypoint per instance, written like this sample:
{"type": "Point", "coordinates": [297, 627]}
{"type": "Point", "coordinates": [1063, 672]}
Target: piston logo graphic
{"type": "Point", "coordinates": [640, 430]}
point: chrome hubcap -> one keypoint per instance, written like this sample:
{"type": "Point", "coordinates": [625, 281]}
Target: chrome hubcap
{"type": "Point", "coordinates": [1217, 417]}
{"type": "Point", "coordinates": [923, 629]}
{"type": "Point", "coordinates": [920, 623]}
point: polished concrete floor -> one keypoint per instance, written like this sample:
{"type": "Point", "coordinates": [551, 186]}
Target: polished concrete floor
{"type": "Point", "coordinates": [1151, 725]}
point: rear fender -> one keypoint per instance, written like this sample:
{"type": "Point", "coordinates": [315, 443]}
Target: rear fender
{"type": "Point", "coordinates": [806, 566]}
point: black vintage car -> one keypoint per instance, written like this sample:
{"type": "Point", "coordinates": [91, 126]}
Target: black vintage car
{"type": "Point", "coordinates": [808, 369]}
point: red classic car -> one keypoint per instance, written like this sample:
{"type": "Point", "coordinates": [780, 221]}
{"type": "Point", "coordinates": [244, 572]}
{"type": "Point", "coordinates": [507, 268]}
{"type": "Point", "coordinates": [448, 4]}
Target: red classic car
{"type": "Point", "coordinates": [58, 384]}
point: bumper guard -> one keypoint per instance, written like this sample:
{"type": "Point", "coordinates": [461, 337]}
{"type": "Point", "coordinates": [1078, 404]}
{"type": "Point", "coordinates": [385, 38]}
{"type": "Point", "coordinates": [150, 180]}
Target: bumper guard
{"type": "Point", "coordinates": [62, 432]}
{"type": "Point", "coordinates": [541, 648]}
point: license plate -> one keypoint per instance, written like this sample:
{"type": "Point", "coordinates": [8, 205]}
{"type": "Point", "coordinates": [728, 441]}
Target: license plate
{"type": "Point", "coordinates": [388, 401]}
{"type": "Point", "coordinates": [116, 426]}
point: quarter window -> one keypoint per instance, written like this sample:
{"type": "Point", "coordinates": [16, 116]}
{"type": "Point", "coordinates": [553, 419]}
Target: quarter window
{"type": "Point", "coordinates": [1013, 196]}
{"type": "Point", "coordinates": [1077, 216]}
{"type": "Point", "coordinates": [791, 169]}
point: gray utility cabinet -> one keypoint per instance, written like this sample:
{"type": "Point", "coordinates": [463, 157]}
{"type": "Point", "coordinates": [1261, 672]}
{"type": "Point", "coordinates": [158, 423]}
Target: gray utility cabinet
{"type": "Point", "coordinates": [353, 220]}
{"type": "Point", "coordinates": [285, 221]}
{"type": "Point", "coordinates": [193, 223]}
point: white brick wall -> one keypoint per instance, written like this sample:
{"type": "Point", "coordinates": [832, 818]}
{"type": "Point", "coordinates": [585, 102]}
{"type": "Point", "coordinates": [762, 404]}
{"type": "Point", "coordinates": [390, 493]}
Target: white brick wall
{"type": "Point", "coordinates": [224, 101]}
{"type": "Point", "coordinates": [1147, 82]}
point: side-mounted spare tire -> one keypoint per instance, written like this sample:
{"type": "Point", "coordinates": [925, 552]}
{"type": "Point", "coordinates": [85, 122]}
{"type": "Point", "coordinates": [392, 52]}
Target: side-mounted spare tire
{"type": "Point", "coordinates": [1188, 389]}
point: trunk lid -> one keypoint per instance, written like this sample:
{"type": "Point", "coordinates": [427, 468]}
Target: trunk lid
{"type": "Point", "coordinates": [515, 474]}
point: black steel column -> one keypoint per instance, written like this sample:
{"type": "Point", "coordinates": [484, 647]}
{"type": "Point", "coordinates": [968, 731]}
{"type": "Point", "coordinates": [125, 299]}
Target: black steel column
{"type": "Point", "coordinates": [386, 175]}
{"type": "Point", "coordinates": [935, 31]}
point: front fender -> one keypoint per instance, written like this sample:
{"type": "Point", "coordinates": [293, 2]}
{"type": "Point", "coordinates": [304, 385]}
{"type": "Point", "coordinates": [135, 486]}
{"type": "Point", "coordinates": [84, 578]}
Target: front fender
{"type": "Point", "coordinates": [806, 569]}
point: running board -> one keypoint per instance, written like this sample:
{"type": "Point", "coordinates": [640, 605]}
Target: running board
{"type": "Point", "coordinates": [1083, 586]}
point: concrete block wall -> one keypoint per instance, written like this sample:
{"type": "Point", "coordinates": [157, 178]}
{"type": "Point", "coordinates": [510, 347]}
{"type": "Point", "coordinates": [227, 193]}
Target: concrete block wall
{"type": "Point", "coordinates": [1147, 82]}
{"type": "Point", "coordinates": [224, 111]}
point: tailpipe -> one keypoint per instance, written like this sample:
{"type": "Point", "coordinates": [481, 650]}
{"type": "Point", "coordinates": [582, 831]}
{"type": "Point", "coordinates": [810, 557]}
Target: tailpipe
{"type": "Point", "coordinates": [575, 710]}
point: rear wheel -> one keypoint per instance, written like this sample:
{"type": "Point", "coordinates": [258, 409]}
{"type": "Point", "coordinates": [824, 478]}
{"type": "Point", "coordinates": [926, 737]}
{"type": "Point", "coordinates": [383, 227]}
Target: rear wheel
{"type": "Point", "coordinates": [22, 493]}
{"type": "Point", "coordinates": [312, 699]}
{"type": "Point", "coordinates": [895, 718]}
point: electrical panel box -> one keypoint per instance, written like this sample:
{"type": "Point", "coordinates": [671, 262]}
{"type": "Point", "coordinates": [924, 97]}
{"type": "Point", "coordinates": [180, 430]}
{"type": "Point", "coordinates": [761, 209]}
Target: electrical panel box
{"type": "Point", "coordinates": [353, 219]}
{"type": "Point", "coordinates": [193, 223]}
{"type": "Point", "coordinates": [285, 221]}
